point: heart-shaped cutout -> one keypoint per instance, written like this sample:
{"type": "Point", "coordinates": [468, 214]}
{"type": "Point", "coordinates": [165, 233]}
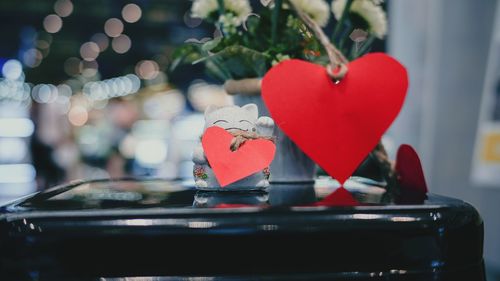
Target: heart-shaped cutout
{"type": "Point", "coordinates": [231, 166]}
{"type": "Point", "coordinates": [336, 124]}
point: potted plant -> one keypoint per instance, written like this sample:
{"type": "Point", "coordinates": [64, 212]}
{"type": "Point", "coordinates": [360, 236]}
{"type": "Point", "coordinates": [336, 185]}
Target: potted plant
{"type": "Point", "coordinates": [247, 43]}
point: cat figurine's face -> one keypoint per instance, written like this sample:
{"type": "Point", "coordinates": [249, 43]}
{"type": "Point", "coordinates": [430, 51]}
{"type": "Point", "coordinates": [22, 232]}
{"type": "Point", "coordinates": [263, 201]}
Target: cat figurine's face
{"type": "Point", "coordinates": [233, 118]}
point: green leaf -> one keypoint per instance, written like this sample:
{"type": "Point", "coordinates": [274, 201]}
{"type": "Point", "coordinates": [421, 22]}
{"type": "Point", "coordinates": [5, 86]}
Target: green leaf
{"type": "Point", "coordinates": [210, 45]}
{"type": "Point", "coordinates": [240, 62]}
{"type": "Point", "coordinates": [185, 54]}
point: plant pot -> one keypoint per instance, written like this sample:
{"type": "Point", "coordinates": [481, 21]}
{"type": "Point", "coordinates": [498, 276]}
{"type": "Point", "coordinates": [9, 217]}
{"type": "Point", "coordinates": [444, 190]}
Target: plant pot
{"type": "Point", "coordinates": [291, 194]}
{"type": "Point", "coordinates": [290, 164]}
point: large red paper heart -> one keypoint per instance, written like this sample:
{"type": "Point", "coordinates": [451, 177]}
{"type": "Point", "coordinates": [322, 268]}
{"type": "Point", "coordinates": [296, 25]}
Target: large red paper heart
{"type": "Point", "coordinates": [336, 125]}
{"type": "Point", "coordinates": [412, 185]}
{"type": "Point", "coordinates": [231, 166]}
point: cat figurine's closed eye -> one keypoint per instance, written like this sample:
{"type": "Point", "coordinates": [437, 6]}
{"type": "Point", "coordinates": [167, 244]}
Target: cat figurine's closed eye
{"type": "Point", "coordinates": [233, 119]}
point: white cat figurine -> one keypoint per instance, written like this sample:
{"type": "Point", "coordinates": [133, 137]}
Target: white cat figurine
{"type": "Point", "coordinates": [233, 119]}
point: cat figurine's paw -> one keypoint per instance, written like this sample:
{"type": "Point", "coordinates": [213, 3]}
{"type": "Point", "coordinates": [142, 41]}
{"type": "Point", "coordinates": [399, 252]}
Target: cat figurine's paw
{"type": "Point", "coordinates": [265, 126]}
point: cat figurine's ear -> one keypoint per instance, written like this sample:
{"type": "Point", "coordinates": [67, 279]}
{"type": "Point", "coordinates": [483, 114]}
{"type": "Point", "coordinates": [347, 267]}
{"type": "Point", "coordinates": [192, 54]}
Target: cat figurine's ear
{"type": "Point", "coordinates": [210, 109]}
{"type": "Point", "coordinates": [252, 109]}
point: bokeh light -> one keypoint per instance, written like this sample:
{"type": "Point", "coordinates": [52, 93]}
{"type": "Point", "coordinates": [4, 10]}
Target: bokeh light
{"type": "Point", "coordinates": [12, 150]}
{"type": "Point", "coordinates": [64, 90]}
{"type": "Point", "coordinates": [147, 69]}
{"type": "Point", "coordinates": [12, 69]}
{"type": "Point", "coordinates": [151, 152]}
{"type": "Point", "coordinates": [78, 115]}
{"type": "Point", "coordinates": [121, 44]}
{"type": "Point", "coordinates": [89, 68]}
{"type": "Point", "coordinates": [101, 40]}
{"type": "Point", "coordinates": [16, 127]}
{"type": "Point", "coordinates": [52, 23]}
{"type": "Point", "coordinates": [113, 27]}
{"type": "Point", "coordinates": [89, 51]}
{"type": "Point", "coordinates": [32, 58]}
{"type": "Point", "coordinates": [64, 98]}
{"type": "Point", "coordinates": [44, 93]}
{"type": "Point", "coordinates": [63, 8]}
{"type": "Point", "coordinates": [17, 173]}
{"type": "Point", "coordinates": [42, 44]}
{"type": "Point", "coordinates": [127, 146]}
{"type": "Point", "coordinates": [164, 105]}
{"type": "Point", "coordinates": [16, 92]}
{"type": "Point", "coordinates": [111, 88]}
{"type": "Point", "coordinates": [131, 13]}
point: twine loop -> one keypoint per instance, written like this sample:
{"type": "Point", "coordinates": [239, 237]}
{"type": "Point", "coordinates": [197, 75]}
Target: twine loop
{"type": "Point", "coordinates": [240, 137]}
{"type": "Point", "coordinates": [337, 59]}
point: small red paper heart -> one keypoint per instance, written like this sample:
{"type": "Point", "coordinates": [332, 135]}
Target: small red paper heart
{"type": "Point", "coordinates": [340, 197]}
{"type": "Point", "coordinates": [413, 188]}
{"type": "Point", "coordinates": [231, 166]}
{"type": "Point", "coordinates": [336, 125]}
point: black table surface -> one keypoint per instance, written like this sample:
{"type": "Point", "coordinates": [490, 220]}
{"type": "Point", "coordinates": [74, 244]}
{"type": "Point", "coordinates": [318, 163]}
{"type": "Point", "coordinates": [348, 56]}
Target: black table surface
{"type": "Point", "coordinates": [100, 230]}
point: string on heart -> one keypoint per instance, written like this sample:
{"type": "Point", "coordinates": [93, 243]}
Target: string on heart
{"type": "Point", "coordinates": [337, 68]}
{"type": "Point", "coordinates": [338, 62]}
{"type": "Point", "coordinates": [240, 137]}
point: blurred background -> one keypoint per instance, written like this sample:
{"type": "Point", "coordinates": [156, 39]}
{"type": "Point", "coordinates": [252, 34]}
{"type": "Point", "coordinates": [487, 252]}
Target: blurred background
{"type": "Point", "coordinates": [86, 92]}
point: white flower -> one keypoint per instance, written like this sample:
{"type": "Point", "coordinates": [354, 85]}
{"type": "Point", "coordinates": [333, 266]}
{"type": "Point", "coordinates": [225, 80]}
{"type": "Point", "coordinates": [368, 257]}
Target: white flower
{"type": "Point", "coordinates": [369, 10]}
{"type": "Point", "coordinates": [316, 9]}
{"type": "Point", "coordinates": [229, 23]}
{"type": "Point", "coordinates": [204, 8]}
{"type": "Point", "coordinates": [266, 3]}
{"type": "Point", "coordinates": [240, 8]}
